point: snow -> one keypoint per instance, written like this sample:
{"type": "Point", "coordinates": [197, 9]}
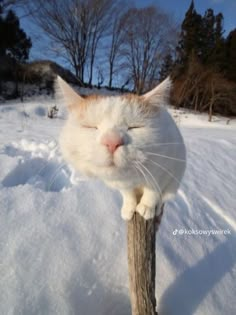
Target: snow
{"type": "Point", "coordinates": [59, 256]}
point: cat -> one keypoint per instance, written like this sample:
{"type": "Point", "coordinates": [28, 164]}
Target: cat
{"type": "Point", "coordinates": [130, 142]}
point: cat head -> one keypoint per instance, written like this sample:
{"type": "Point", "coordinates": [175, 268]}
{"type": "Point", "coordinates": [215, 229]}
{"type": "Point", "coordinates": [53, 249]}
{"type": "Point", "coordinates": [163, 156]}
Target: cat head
{"type": "Point", "coordinates": [105, 135]}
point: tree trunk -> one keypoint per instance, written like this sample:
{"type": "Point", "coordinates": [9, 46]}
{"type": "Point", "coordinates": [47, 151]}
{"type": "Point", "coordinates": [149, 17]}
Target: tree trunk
{"type": "Point", "coordinates": [210, 111]}
{"type": "Point", "coordinates": [91, 71]}
{"type": "Point", "coordinates": [110, 76]}
{"type": "Point", "coordinates": [141, 241]}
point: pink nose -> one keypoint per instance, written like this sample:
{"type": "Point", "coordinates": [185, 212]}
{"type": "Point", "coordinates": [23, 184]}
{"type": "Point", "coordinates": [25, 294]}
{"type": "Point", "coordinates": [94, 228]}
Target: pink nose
{"type": "Point", "coordinates": [112, 141]}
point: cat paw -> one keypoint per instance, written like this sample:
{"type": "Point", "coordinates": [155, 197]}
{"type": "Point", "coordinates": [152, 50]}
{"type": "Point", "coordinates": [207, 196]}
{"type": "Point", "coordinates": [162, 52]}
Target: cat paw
{"type": "Point", "coordinates": [145, 211]}
{"type": "Point", "coordinates": [127, 214]}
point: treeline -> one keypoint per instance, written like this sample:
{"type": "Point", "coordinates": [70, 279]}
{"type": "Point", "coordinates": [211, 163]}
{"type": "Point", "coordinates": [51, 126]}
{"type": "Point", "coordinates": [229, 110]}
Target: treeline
{"type": "Point", "coordinates": [14, 45]}
{"type": "Point", "coordinates": [204, 70]}
{"type": "Point", "coordinates": [18, 77]}
{"type": "Point", "coordinates": [112, 43]}
{"type": "Point", "coordinates": [107, 41]}
{"type": "Point", "coordinates": [104, 42]}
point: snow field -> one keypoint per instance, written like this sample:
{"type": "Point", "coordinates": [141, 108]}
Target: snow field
{"type": "Point", "coordinates": [59, 256]}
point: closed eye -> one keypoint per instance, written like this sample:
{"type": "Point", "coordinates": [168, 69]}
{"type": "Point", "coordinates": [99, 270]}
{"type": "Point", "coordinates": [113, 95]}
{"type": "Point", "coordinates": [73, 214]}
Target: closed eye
{"type": "Point", "coordinates": [134, 127]}
{"type": "Point", "coordinates": [89, 127]}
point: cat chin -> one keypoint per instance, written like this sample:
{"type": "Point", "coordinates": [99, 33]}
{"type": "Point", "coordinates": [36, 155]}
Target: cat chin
{"type": "Point", "coordinates": [108, 173]}
{"type": "Point", "coordinates": [107, 168]}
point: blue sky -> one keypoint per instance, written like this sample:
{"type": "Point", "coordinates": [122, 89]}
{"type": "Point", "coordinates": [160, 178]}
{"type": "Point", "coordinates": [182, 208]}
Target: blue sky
{"type": "Point", "coordinates": [179, 7]}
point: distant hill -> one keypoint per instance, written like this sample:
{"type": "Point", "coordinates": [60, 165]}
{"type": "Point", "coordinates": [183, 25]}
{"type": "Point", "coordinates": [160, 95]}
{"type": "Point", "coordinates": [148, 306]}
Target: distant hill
{"type": "Point", "coordinates": [47, 70]}
{"type": "Point", "coordinates": [20, 80]}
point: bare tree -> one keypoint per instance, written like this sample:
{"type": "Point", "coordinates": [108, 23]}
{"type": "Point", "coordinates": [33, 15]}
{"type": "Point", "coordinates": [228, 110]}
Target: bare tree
{"type": "Point", "coordinates": [117, 36]}
{"type": "Point", "coordinates": [11, 4]}
{"type": "Point", "coordinates": [100, 77]}
{"type": "Point", "coordinates": [58, 20]}
{"type": "Point", "coordinates": [76, 26]}
{"type": "Point", "coordinates": [146, 41]}
{"type": "Point", "coordinates": [202, 88]}
{"type": "Point", "coordinates": [101, 15]}
{"type": "Point", "coordinates": [222, 97]}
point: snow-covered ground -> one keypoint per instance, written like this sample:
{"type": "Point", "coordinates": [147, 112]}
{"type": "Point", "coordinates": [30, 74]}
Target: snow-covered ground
{"type": "Point", "coordinates": [59, 256]}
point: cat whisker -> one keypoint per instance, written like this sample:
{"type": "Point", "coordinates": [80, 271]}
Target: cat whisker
{"type": "Point", "coordinates": [165, 156]}
{"type": "Point", "coordinates": [142, 168]}
{"type": "Point", "coordinates": [155, 182]}
{"type": "Point", "coordinates": [137, 167]}
{"type": "Point", "coordinates": [165, 170]}
{"type": "Point", "coordinates": [165, 143]}
{"type": "Point", "coordinates": [146, 179]}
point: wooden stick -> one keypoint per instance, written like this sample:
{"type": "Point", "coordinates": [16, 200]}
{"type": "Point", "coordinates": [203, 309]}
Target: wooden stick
{"type": "Point", "coordinates": [141, 241]}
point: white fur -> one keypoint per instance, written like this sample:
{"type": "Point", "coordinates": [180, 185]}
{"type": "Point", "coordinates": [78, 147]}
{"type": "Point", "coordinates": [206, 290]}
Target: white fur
{"type": "Point", "coordinates": [144, 184]}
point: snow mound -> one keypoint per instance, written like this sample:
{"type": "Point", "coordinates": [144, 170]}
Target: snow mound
{"type": "Point", "coordinates": [63, 242]}
{"type": "Point", "coordinates": [38, 165]}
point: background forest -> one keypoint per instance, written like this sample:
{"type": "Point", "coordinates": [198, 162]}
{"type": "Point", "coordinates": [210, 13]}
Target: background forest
{"type": "Point", "coordinates": [114, 44]}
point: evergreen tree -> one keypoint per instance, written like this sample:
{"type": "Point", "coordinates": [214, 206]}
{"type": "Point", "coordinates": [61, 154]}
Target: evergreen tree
{"type": "Point", "coordinates": [214, 45]}
{"type": "Point", "coordinates": [13, 40]}
{"type": "Point", "coordinates": [14, 48]}
{"type": "Point", "coordinates": [208, 35]}
{"type": "Point", "coordinates": [166, 67]}
{"type": "Point", "coordinates": [231, 55]}
{"type": "Point", "coordinates": [202, 37]}
{"type": "Point", "coordinates": [206, 64]}
{"type": "Point", "coordinates": [191, 36]}
{"type": "Point", "coordinates": [219, 55]}
{"type": "Point", "coordinates": [219, 21]}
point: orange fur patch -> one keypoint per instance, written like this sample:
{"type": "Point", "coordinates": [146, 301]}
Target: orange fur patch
{"type": "Point", "coordinates": [80, 107]}
{"type": "Point", "coordinates": [145, 106]}
{"type": "Point", "coordinates": [93, 97]}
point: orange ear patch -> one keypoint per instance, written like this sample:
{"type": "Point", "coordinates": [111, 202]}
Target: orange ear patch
{"type": "Point", "coordinates": [79, 108]}
{"type": "Point", "coordinates": [146, 107]}
{"type": "Point", "coordinates": [93, 97]}
{"type": "Point", "coordinates": [131, 98]}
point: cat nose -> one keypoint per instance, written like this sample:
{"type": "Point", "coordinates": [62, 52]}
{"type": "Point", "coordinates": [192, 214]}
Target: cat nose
{"type": "Point", "coordinates": [112, 141]}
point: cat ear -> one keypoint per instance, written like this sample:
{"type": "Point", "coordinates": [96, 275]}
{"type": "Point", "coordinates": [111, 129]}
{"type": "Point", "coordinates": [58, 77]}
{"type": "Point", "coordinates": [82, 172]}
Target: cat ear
{"type": "Point", "coordinates": [160, 94]}
{"type": "Point", "coordinates": [72, 99]}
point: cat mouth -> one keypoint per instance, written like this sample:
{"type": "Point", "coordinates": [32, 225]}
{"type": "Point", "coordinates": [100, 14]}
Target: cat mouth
{"type": "Point", "coordinates": [111, 164]}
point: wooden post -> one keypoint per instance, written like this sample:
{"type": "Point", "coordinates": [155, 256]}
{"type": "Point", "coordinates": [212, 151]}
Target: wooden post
{"type": "Point", "coordinates": [141, 241]}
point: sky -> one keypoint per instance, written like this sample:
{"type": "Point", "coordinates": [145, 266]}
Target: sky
{"type": "Point", "coordinates": [179, 7]}
{"type": "Point", "coordinates": [176, 8]}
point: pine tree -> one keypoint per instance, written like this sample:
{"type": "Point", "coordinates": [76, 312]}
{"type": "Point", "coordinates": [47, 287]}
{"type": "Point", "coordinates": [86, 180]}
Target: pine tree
{"type": "Point", "coordinates": [219, 57]}
{"type": "Point", "coordinates": [14, 48]}
{"type": "Point", "coordinates": [1, 32]}
{"type": "Point", "coordinates": [214, 44]}
{"type": "Point", "coordinates": [208, 36]}
{"type": "Point", "coordinates": [166, 67]}
{"type": "Point", "coordinates": [13, 40]}
{"type": "Point", "coordinates": [206, 63]}
{"type": "Point", "coordinates": [202, 37]}
{"type": "Point", "coordinates": [219, 21]}
{"type": "Point", "coordinates": [191, 36]}
{"type": "Point", "coordinates": [231, 55]}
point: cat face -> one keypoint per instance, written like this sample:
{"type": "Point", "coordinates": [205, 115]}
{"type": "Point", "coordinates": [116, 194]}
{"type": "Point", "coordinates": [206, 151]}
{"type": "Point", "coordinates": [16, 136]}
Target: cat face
{"type": "Point", "coordinates": [104, 136]}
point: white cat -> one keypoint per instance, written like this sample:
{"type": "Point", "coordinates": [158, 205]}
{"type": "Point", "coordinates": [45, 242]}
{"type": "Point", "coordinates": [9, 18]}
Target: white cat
{"type": "Point", "coordinates": [128, 141]}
